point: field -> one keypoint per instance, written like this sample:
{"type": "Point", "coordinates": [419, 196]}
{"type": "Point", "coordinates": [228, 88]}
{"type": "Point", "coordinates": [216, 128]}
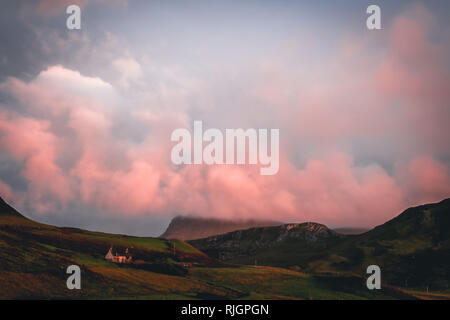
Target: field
{"type": "Point", "coordinates": [34, 262]}
{"type": "Point", "coordinates": [34, 258]}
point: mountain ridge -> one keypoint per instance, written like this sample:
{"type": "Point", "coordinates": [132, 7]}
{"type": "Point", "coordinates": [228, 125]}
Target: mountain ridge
{"type": "Point", "coordinates": [35, 257]}
{"type": "Point", "coordinates": [250, 241]}
{"type": "Point", "coordinates": [412, 248]}
{"type": "Point", "coordinates": [190, 228]}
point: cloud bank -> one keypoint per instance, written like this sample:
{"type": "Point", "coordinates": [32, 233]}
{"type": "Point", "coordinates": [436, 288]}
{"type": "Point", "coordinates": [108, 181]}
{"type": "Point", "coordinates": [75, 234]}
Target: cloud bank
{"type": "Point", "coordinates": [362, 135]}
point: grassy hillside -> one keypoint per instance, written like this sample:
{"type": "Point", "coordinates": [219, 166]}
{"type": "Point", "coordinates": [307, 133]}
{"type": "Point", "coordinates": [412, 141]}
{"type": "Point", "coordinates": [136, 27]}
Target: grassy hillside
{"type": "Point", "coordinates": [413, 250]}
{"type": "Point", "coordinates": [34, 258]}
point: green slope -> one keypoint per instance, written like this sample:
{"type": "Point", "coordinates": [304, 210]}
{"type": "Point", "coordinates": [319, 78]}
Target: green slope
{"type": "Point", "coordinates": [34, 258]}
{"type": "Point", "coordinates": [412, 249]}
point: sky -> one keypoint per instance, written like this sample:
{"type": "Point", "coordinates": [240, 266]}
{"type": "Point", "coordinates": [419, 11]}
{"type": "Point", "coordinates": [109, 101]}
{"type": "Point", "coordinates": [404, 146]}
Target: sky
{"type": "Point", "coordinates": [86, 115]}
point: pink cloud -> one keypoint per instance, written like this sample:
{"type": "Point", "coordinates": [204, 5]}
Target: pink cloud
{"type": "Point", "coordinates": [73, 148]}
{"type": "Point", "coordinates": [424, 179]}
{"type": "Point", "coordinates": [415, 75]}
{"type": "Point", "coordinates": [336, 190]}
{"type": "Point", "coordinates": [414, 67]}
{"type": "Point", "coordinates": [330, 190]}
{"type": "Point", "coordinates": [32, 142]}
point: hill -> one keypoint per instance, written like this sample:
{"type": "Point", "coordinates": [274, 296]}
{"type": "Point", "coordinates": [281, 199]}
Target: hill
{"type": "Point", "coordinates": [189, 228]}
{"type": "Point", "coordinates": [412, 249]}
{"type": "Point", "coordinates": [7, 210]}
{"type": "Point", "coordinates": [34, 258]}
{"type": "Point", "coordinates": [250, 242]}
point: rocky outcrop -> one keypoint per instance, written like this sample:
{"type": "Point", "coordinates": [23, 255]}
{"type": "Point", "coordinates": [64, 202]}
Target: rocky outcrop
{"type": "Point", "coordinates": [248, 242]}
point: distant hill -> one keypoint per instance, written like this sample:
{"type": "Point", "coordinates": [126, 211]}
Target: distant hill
{"type": "Point", "coordinates": [189, 228]}
{"type": "Point", "coordinates": [249, 242]}
{"type": "Point", "coordinates": [412, 249]}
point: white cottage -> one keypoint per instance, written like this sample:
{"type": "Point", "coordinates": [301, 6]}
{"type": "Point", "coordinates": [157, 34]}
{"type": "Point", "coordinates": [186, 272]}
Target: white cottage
{"type": "Point", "coordinates": [116, 258]}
